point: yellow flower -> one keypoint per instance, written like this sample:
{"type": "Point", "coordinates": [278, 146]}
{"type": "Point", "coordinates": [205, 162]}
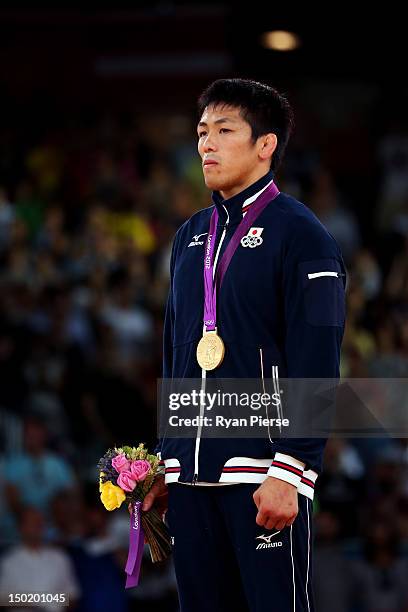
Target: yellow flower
{"type": "Point", "coordinates": [112, 496]}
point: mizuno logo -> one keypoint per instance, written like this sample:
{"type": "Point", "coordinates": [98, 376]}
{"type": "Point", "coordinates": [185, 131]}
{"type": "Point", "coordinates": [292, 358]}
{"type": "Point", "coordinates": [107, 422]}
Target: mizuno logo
{"type": "Point", "coordinates": [267, 541]}
{"type": "Point", "coordinates": [267, 538]}
{"type": "Point", "coordinates": [195, 241]}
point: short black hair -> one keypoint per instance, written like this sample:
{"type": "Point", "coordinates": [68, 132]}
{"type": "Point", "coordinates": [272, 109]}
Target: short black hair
{"type": "Point", "coordinates": [263, 107]}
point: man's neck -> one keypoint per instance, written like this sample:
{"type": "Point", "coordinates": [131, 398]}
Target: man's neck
{"type": "Point", "coordinates": [232, 191]}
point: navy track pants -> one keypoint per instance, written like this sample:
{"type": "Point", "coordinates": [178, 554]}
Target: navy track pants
{"type": "Point", "coordinates": [225, 562]}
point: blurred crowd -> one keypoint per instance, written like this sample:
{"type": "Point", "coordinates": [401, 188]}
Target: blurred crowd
{"type": "Point", "coordinates": [88, 211]}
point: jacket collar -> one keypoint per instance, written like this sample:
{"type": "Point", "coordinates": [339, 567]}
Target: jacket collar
{"type": "Point", "coordinates": [232, 209]}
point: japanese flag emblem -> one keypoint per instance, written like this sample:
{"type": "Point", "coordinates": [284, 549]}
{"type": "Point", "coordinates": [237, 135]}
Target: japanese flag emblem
{"type": "Point", "coordinates": [253, 237]}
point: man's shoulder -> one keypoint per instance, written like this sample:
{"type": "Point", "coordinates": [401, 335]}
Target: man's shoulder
{"type": "Point", "coordinates": [198, 221]}
{"type": "Point", "coordinates": [295, 209]}
{"type": "Point", "coordinates": [55, 554]}
{"type": "Point", "coordinates": [303, 233]}
{"type": "Point", "coordinates": [202, 215]}
{"type": "Point", "coordinates": [300, 219]}
{"type": "Point", "coordinates": [14, 555]}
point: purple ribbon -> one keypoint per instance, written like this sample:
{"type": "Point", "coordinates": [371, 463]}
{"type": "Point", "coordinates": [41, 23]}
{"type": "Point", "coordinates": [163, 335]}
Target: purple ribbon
{"type": "Point", "coordinates": [136, 543]}
{"type": "Point", "coordinates": [210, 293]}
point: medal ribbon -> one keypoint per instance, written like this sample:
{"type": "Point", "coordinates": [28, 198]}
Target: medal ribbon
{"type": "Point", "coordinates": [210, 284]}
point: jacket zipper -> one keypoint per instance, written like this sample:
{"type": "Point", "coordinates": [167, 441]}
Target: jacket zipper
{"type": "Point", "coordinates": [275, 378]}
{"type": "Point", "coordinates": [204, 372]}
{"type": "Point", "coordinates": [263, 390]}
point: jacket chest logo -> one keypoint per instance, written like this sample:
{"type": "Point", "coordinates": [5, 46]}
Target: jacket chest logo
{"type": "Point", "coordinates": [253, 237]}
{"type": "Point", "coordinates": [195, 241]}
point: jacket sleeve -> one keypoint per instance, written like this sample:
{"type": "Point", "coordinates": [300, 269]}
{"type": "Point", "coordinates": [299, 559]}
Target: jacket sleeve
{"type": "Point", "coordinates": [168, 331]}
{"type": "Point", "coordinates": [313, 293]}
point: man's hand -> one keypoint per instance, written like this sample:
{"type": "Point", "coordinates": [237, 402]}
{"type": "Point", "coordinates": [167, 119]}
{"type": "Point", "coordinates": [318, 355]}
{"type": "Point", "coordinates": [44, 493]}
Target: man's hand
{"type": "Point", "coordinates": [277, 503]}
{"type": "Point", "coordinates": [157, 496]}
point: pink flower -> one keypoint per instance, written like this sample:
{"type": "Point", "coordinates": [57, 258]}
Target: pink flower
{"type": "Point", "coordinates": [140, 469]}
{"type": "Point", "coordinates": [126, 481]}
{"type": "Point", "coordinates": [120, 463]}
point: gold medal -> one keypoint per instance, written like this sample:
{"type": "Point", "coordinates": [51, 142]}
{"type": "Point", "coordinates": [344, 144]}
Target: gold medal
{"type": "Point", "coordinates": [210, 350]}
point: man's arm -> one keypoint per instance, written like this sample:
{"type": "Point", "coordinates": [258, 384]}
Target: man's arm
{"type": "Point", "coordinates": [314, 280]}
{"type": "Point", "coordinates": [313, 286]}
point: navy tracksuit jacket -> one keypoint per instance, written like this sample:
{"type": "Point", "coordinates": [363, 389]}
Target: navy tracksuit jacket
{"type": "Point", "coordinates": [280, 313]}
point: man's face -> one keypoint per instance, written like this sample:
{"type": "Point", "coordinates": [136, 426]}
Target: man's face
{"type": "Point", "coordinates": [229, 156]}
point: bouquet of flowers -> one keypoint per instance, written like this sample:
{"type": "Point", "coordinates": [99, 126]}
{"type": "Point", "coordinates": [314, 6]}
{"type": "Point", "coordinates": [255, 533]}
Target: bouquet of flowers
{"type": "Point", "coordinates": [128, 473]}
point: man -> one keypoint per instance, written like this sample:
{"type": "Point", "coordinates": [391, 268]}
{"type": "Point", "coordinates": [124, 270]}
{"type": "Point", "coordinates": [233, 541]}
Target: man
{"type": "Point", "coordinates": [279, 280]}
{"type": "Point", "coordinates": [36, 567]}
{"type": "Point", "coordinates": [36, 475]}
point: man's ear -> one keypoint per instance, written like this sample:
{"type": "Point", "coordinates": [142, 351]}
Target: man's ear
{"type": "Point", "coordinates": [267, 145]}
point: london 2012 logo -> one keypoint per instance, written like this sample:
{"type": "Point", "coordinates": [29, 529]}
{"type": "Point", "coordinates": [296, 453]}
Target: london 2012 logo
{"type": "Point", "coordinates": [253, 237]}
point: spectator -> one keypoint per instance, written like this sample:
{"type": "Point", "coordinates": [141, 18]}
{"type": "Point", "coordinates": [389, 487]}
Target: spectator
{"type": "Point", "coordinates": [333, 584]}
{"type": "Point", "coordinates": [380, 578]}
{"type": "Point", "coordinates": [340, 222]}
{"type": "Point", "coordinates": [100, 559]}
{"type": "Point", "coordinates": [36, 475]}
{"type": "Point", "coordinates": [32, 566]}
